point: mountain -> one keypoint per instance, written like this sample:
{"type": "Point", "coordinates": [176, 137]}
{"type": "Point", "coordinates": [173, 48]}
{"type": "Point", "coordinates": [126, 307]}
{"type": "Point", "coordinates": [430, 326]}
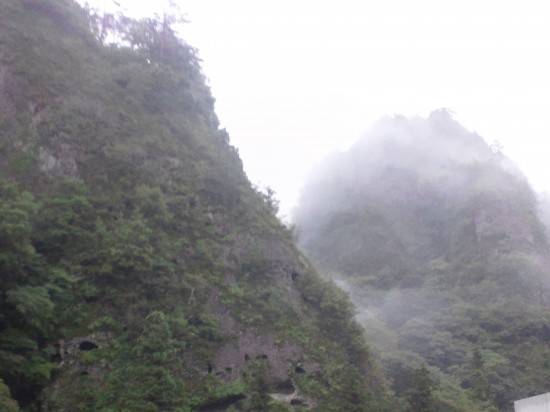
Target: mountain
{"type": "Point", "coordinates": [437, 237]}
{"type": "Point", "coordinates": [140, 270]}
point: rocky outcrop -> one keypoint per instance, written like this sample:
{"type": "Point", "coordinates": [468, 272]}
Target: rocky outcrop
{"type": "Point", "coordinates": [57, 163]}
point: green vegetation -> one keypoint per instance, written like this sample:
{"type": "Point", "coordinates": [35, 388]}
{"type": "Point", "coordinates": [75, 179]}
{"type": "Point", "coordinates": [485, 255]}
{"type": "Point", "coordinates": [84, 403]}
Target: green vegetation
{"type": "Point", "coordinates": [420, 394]}
{"type": "Point", "coordinates": [140, 269]}
{"type": "Point", "coordinates": [439, 241]}
{"type": "Point", "coordinates": [7, 404]}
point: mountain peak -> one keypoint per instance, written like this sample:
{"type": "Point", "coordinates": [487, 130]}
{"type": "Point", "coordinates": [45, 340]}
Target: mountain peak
{"type": "Point", "coordinates": [140, 268]}
{"type": "Point", "coordinates": [439, 240]}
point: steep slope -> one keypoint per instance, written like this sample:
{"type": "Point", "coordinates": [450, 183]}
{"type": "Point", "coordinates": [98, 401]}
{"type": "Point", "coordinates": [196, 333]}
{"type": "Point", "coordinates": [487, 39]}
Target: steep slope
{"type": "Point", "coordinates": [140, 270]}
{"type": "Point", "coordinates": [436, 236]}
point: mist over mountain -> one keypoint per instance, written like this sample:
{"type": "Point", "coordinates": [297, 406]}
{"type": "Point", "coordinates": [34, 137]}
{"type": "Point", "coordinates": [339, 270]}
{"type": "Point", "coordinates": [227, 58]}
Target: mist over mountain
{"type": "Point", "coordinates": [438, 238]}
{"type": "Point", "coordinates": [139, 268]}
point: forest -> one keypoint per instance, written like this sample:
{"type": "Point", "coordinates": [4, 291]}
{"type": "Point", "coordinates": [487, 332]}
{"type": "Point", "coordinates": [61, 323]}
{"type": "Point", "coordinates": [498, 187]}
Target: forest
{"type": "Point", "coordinates": [441, 243]}
{"type": "Point", "coordinates": [142, 271]}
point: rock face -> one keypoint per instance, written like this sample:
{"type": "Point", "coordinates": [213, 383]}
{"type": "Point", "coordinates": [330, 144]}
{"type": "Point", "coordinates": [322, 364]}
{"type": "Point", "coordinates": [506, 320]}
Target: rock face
{"type": "Point", "coordinates": [60, 164]}
{"type": "Point", "coordinates": [141, 269]}
{"type": "Point", "coordinates": [438, 239]}
{"type": "Point", "coordinates": [231, 359]}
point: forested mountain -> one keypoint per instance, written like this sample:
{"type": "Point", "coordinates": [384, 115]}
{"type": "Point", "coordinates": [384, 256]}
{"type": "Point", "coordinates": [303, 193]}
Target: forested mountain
{"type": "Point", "coordinates": [140, 270]}
{"type": "Point", "coordinates": [437, 237]}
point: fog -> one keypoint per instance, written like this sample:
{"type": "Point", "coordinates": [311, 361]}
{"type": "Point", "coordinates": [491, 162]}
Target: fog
{"type": "Point", "coordinates": [424, 152]}
{"type": "Point", "coordinates": [440, 243]}
{"type": "Point", "coordinates": [295, 81]}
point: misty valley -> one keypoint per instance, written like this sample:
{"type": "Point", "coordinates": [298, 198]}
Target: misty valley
{"type": "Point", "coordinates": [141, 270]}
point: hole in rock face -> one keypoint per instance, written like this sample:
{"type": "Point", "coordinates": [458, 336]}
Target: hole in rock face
{"type": "Point", "coordinates": [262, 356]}
{"type": "Point", "coordinates": [299, 369]}
{"type": "Point", "coordinates": [294, 275]}
{"type": "Point", "coordinates": [223, 403]}
{"type": "Point", "coordinates": [285, 388]}
{"type": "Point", "coordinates": [86, 345]}
{"type": "Point", "coordinates": [246, 357]}
{"type": "Point", "coordinates": [195, 321]}
{"type": "Point", "coordinates": [210, 367]}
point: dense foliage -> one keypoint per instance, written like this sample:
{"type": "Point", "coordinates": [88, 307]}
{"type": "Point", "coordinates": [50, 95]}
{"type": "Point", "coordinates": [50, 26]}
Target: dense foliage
{"type": "Point", "coordinates": [437, 237]}
{"type": "Point", "coordinates": [139, 269]}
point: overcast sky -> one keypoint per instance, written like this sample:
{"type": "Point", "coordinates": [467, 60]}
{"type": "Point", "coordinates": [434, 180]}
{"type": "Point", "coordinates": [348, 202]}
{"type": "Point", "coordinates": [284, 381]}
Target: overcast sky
{"type": "Point", "coordinates": [297, 79]}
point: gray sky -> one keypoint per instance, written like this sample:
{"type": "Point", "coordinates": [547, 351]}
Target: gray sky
{"type": "Point", "coordinates": [297, 79]}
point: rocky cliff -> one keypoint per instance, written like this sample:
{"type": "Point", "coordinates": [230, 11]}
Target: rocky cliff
{"type": "Point", "coordinates": [140, 269]}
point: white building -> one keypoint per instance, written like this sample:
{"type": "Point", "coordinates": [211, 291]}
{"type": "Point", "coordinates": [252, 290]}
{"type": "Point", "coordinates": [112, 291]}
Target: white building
{"type": "Point", "coordinates": [540, 403]}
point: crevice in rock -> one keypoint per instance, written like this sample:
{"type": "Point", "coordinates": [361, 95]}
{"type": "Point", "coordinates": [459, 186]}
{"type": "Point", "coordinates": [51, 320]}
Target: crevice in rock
{"type": "Point", "coordinates": [298, 402]}
{"type": "Point", "coordinates": [222, 403]}
{"type": "Point", "coordinates": [86, 345]}
{"type": "Point", "coordinates": [285, 388]}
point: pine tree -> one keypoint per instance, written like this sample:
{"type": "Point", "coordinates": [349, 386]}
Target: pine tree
{"type": "Point", "coordinates": [420, 395]}
{"type": "Point", "coordinates": [480, 387]}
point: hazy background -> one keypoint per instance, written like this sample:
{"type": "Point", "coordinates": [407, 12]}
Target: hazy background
{"type": "Point", "coordinates": [297, 79]}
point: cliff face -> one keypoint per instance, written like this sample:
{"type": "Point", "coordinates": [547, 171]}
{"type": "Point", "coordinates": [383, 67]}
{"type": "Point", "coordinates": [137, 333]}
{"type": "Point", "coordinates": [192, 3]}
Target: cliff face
{"type": "Point", "coordinates": [140, 270]}
{"type": "Point", "coordinates": [438, 238]}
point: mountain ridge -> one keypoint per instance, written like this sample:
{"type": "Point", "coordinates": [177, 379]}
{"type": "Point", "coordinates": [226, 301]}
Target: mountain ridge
{"type": "Point", "coordinates": [438, 244]}
{"type": "Point", "coordinates": [140, 269]}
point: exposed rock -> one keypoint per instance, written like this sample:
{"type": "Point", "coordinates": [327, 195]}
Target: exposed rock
{"type": "Point", "coordinates": [69, 351]}
{"type": "Point", "coordinates": [286, 392]}
{"type": "Point", "coordinates": [255, 344]}
{"type": "Point", "coordinates": [60, 162]}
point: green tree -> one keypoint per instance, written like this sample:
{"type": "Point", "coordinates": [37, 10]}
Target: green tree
{"type": "Point", "coordinates": [144, 378]}
{"type": "Point", "coordinates": [479, 383]}
{"type": "Point", "coordinates": [28, 293]}
{"type": "Point", "coordinates": [259, 384]}
{"type": "Point", "coordinates": [7, 404]}
{"type": "Point", "coordinates": [66, 223]}
{"type": "Point", "coordinates": [420, 394]}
